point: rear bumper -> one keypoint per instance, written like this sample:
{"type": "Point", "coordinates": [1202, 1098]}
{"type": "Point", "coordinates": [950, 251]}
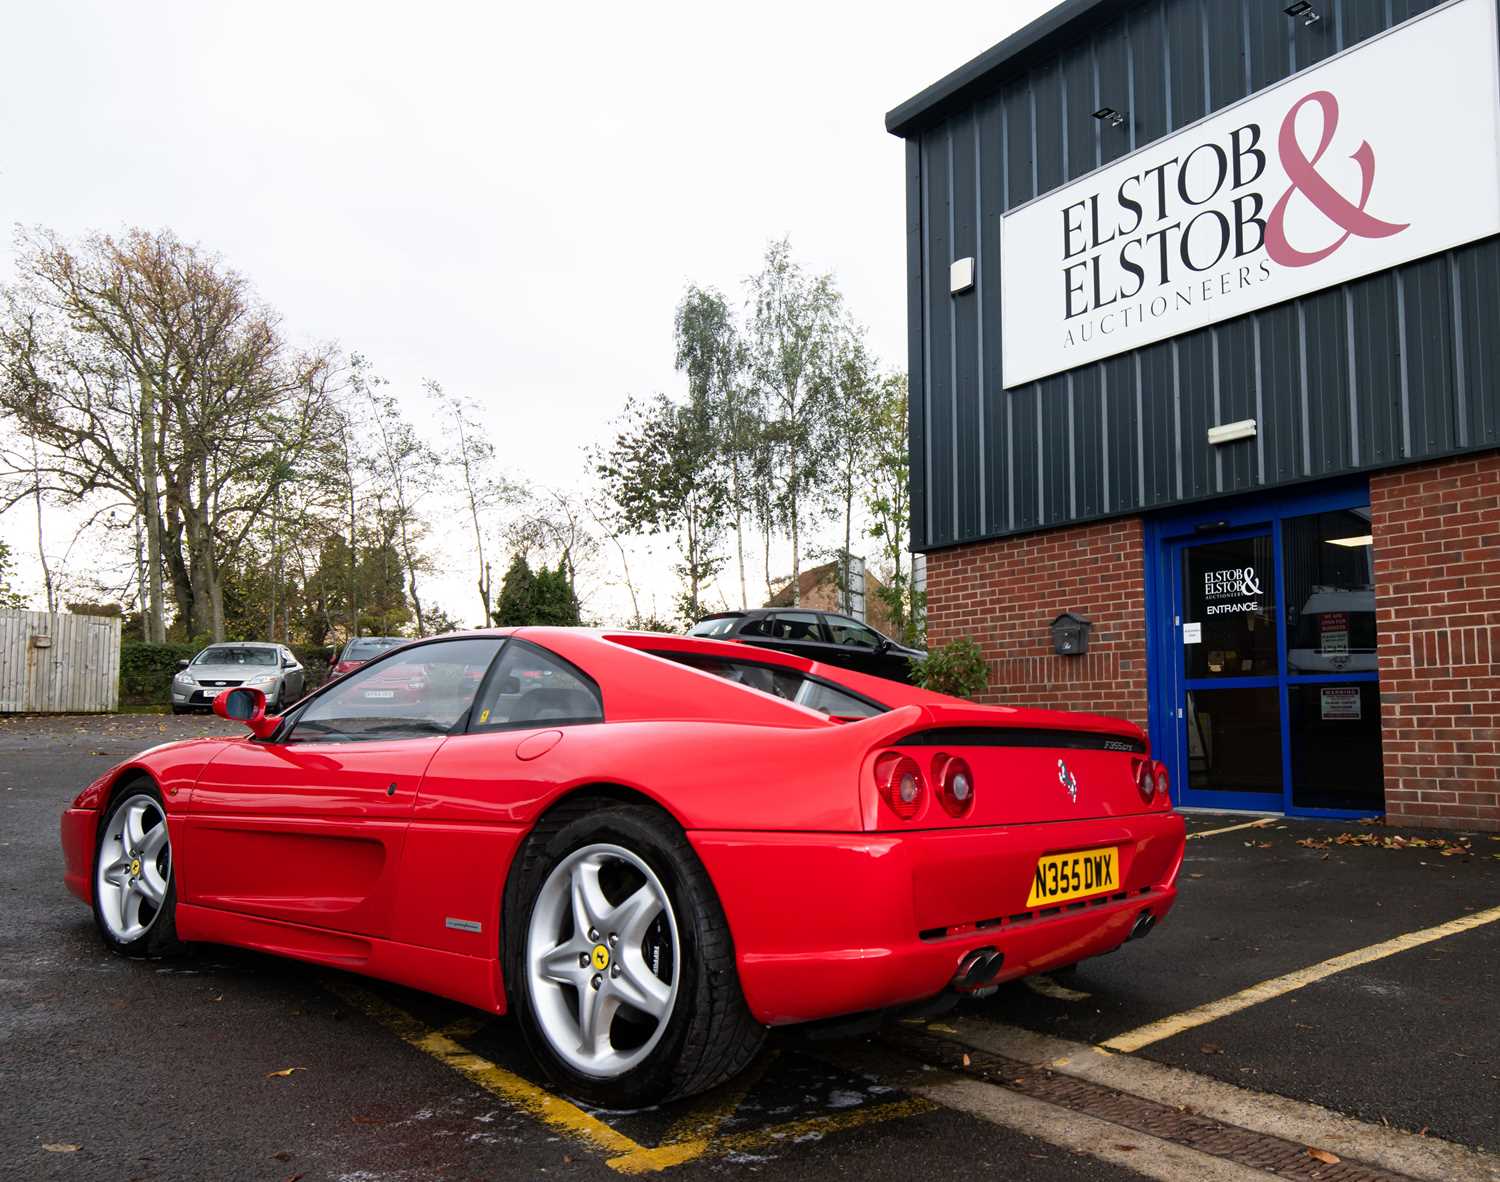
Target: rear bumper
{"type": "Point", "coordinates": [79, 832]}
{"type": "Point", "coordinates": [833, 924]}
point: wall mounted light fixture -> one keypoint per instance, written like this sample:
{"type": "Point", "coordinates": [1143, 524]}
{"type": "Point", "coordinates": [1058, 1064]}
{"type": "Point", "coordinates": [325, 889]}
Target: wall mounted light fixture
{"type": "Point", "coordinates": [1305, 10]}
{"type": "Point", "coordinates": [1110, 115]}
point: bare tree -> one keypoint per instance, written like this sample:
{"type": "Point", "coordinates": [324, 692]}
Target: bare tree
{"type": "Point", "coordinates": [482, 490]}
{"type": "Point", "coordinates": [144, 366]}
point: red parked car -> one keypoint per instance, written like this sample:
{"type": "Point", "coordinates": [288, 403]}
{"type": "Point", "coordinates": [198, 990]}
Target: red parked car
{"type": "Point", "coordinates": [648, 848]}
{"type": "Point", "coordinates": [362, 649]}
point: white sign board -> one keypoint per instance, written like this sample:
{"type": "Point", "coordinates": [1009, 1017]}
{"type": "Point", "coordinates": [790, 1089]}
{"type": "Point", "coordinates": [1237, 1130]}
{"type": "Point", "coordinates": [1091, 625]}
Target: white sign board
{"type": "Point", "coordinates": [1340, 702]}
{"type": "Point", "coordinates": [1192, 634]}
{"type": "Point", "coordinates": [1387, 152]}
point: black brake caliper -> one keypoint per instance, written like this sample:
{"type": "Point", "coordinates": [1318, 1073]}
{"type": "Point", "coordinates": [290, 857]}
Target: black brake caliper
{"type": "Point", "coordinates": [657, 948]}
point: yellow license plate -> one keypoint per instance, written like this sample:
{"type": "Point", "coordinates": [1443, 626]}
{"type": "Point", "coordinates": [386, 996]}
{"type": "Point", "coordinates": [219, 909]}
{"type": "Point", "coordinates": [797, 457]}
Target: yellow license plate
{"type": "Point", "coordinates": [1060, 877]}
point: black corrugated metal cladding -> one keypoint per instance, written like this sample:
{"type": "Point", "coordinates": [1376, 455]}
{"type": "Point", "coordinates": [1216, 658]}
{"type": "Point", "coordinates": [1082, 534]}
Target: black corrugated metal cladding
{"type": "Point", "coordinates": [1400, 366]}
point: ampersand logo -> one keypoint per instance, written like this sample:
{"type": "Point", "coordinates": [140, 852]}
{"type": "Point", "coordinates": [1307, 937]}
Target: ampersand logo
{"type": "Point", "coordinates": [1303, 173]}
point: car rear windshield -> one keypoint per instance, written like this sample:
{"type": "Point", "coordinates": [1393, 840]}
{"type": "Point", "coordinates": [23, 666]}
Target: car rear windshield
{"type": "Point", "coordinates": [720, 626]}
{"type": "Point", "coordinates": [788, 684]}
{"type": "Point", "coordinates": [368, 647]}
{"type": "Point", "coordinates": [224, 654]}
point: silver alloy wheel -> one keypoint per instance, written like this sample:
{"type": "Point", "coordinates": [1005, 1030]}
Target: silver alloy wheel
{"type": "Point", "coordinates": [585, 960]}
{"type": "Point", "coordinates": [134, 868]}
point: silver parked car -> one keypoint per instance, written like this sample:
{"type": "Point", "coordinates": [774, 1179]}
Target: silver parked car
{"type": "Point", "coordinates": [270, 668]}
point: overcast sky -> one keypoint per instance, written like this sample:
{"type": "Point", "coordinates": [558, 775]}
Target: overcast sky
{"type": "Point", "coordinates": [507, 201]}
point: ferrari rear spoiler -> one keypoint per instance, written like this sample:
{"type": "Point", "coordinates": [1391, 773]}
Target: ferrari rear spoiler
{"type": "Point", "coordinates": [962, 724]}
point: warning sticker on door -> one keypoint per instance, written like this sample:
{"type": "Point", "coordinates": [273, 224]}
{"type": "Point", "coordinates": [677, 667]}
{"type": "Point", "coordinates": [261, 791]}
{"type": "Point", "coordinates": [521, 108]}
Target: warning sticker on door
{"type": "Point", "coordinates": [1192, 634]}
{"type": "Point", "coordinates": [1340, 702]}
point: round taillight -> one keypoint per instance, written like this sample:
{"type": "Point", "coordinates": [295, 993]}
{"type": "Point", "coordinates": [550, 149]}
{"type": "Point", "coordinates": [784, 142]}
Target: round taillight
{"type": "Point", "coordinates": [955, 785]}
{"type": "Point", "coordinates": [901, 785]}
{"type": "Point", "coordinates": [1145, 779]}
{"type": "Point", "coordinates": [1163, 786]}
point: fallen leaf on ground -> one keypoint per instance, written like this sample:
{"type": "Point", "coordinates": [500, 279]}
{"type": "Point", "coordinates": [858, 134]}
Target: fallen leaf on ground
{"type": "Point", "coordinates": [1322, 1155]}
{"type": "Point", "coordinates": [283, 1073]}
{"type": "Point", "coordinates": [966, 1060]}
{"type": "Point", "coordinates": [1211, 1048]}
{"type": "Point", "coordinates": [61, 1147]}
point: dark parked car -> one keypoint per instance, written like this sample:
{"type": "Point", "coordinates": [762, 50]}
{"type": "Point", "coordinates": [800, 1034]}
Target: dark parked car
{"type": "Point", "coordinates": [818, 636]}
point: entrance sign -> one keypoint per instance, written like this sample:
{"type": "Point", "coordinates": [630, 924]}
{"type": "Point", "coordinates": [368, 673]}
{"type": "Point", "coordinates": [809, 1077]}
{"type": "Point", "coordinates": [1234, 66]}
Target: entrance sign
{"type": "Point", "coordinates": [1385, 153]}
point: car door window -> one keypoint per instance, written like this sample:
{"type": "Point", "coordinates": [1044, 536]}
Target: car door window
{"type": "Point", "coordinates": [760, 627]}
{"type": "Point", "coordinates": [531, 687]}
{"type": "Point", "coordinates": [423, 690]}
{"type": "Point", "coordinates": [801, 626]}
{"type": "Point", "coordinates": [851, 633]}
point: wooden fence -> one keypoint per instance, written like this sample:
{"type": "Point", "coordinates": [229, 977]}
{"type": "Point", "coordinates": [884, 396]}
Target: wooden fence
{"type": "Point", "coordinates": [58, 664]}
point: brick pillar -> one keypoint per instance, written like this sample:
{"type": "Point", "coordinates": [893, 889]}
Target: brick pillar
{"type": "Point", "coordinates": [1005, 594]}
{"type": "Point", "coordinates": [1437, 588]}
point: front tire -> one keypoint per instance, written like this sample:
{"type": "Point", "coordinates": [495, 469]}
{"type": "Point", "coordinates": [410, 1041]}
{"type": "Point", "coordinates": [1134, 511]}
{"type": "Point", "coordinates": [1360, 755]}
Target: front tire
{"type": "Point", "coordinates": [135, 887]}
{"type": "Point", "coordinates": [619, 961]}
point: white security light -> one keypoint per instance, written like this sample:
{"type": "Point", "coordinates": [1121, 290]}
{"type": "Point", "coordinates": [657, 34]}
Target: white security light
{"type": "Point", "coordinates": [1229, 432]}
{"type": "Point", "coordinates": [960, 275]}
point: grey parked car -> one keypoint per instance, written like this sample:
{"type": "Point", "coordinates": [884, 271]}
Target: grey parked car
{"type": "Point", "coordinates": [270, 668]}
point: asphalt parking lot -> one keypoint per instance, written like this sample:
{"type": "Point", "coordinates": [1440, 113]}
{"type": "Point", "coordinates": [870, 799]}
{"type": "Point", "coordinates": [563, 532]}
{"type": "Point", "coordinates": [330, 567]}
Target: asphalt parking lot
{"type": "Point", "coordinates": [1310, 999]}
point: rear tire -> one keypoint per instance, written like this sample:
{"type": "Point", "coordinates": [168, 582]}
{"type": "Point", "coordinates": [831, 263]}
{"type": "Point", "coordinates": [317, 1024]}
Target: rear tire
{"type": "Point", "coordinates": [135, 881]}
{"type": "Point", "coordinates": [652, 932]}
{"type": "Point", "coordinates": [180, 710]}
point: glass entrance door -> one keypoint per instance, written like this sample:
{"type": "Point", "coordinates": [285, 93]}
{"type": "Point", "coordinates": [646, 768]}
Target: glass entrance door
{"type": "Point", "coordinates": [1264, 670]}
{"type": "Point", "coordinates": [1229, 701]}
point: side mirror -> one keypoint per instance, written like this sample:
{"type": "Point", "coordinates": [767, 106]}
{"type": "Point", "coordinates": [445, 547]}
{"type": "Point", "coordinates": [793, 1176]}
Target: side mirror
{"type": "Point", "coordinates": [248, 706]}
{"type": "Point", "coordinates": [181, 665]}
{"type": "Point", "coordinates": [508, 685]}
{"type": "Point", "coordinates": [884, 646]}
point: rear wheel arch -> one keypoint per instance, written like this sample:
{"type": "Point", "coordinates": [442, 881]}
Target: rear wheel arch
{"type": "Point", "coordinates": [719, 1036]}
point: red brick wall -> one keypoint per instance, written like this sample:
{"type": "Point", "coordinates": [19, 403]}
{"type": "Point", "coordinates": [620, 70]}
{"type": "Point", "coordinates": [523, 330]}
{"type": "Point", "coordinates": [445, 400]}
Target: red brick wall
{"type": "Point", "coordinates": [1437, 587]}
{"type": "Point", "coordinates": [1005, 594]}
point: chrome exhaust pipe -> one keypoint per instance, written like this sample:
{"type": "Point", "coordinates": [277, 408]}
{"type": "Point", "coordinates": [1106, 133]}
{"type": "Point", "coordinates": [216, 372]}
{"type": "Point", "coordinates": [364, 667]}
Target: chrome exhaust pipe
{"type": "Point", "coordinates": [1144, 922]}
{"type": "Point", "coordinates": [977, 968]}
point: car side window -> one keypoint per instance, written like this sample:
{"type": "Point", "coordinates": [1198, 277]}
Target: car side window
{"type": "Point", "coordinates": [760, 627]}
{"type": "Point", "coordinates": [423, 690]}
{"type": "Point", "coordinates": [849, 632]}
{"type": "Point", "coordinates": [531, 687]}
{"type": "Point", "coordinates": [796, 626]}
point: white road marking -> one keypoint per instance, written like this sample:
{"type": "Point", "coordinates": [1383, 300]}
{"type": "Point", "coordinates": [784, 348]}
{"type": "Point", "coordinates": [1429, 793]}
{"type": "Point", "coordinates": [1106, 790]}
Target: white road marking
{"type": "Point", "coordinates": [1261, 1112]}
{"type": "Point", "coordinates": [1154, 1158]}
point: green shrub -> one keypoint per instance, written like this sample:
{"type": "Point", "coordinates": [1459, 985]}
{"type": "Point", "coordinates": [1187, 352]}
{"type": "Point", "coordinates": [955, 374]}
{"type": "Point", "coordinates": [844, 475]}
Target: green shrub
{"type": "Point", "coordinates": [958, 669]}
{"type": "Point", "coordinates": [146, 671]}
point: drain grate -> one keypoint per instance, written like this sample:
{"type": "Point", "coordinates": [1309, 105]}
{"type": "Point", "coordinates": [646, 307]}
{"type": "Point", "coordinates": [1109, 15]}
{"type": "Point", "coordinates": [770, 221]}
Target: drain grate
{"type": "Point", "coordinates": [1260, 1151]}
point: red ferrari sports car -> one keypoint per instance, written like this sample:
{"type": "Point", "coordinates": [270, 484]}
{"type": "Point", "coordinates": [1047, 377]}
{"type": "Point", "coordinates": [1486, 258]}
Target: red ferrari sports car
{"type": "Point", "coordinates": [649, 848]}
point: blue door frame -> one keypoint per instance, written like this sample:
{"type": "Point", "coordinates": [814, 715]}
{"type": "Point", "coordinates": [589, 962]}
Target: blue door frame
{"type": "Point", "coordinates": [1166, 536]}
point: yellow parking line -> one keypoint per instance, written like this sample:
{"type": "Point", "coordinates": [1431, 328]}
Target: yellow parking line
{"type": "Point", "coordinates": [691, 1134]}
{"type": "Point", "coordinates": [1143, 1036]}
{"type": "Point", "coordinates": [1233, 828]}
{"type": "Point", "coordinates": [690, 1137]}
{"type": "Point", "coordinates": [523, 1094]}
